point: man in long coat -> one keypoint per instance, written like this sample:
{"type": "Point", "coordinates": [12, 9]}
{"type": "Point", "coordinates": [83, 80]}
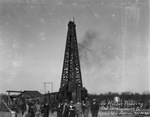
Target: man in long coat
{"type": "Point", "coordinates": [94, 108]}
{"type": "Point", "coordinates": [87, 107]}
{"type": "Point", "coordinates": [65, 109]}
{"type": "Point", "coordinates": [45, 110]}
{"type": "Point", "coordinates": [78, 107]}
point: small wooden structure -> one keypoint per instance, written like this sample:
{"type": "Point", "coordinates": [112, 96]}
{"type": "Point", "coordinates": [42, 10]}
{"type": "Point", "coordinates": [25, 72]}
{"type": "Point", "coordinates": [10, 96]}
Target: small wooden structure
{"type": "Point", "coordinates": [28, 94]}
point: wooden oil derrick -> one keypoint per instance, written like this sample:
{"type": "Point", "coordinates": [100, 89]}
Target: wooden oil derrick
{"type": "Point", "coordinates": [71, 87]}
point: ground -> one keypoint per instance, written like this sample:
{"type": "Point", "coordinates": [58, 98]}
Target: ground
{"type": "Point", "coordinates": [7, 114]}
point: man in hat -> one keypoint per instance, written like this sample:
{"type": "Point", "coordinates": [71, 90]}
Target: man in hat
{"type": "Point", "coordinates": [65, 109]}
{"type": "Point", "coordinates": [94, 108]}
{"type": "Point", "coordinates": [31, 111]}
{"type": "Point", "coordinates": [45, 109]}
{"type": "Point", "coordinates": [87, 106]}
{"type": "Point", "coordinates": [59, 109]}
{"type": "Point", "coordinates": [37, 109]}
{"type": "Point", "coordinates": [78, 107]}
{"type": "Point", "coordinates": [15, 107]}
{"type": "Point", "coordinates": [25, 108]}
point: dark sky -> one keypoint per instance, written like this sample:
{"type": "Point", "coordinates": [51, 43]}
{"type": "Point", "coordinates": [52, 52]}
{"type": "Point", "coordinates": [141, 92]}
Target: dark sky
{"type": "Point", "coordinates": [114, 34]}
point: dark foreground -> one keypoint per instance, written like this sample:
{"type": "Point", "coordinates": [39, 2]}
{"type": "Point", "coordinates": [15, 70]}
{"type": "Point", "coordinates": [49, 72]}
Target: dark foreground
{"type": "Point", "coordinates": [8, 114]}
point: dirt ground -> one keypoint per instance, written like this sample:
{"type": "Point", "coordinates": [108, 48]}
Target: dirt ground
{"type": "Point", "coordinates": [8, 114]}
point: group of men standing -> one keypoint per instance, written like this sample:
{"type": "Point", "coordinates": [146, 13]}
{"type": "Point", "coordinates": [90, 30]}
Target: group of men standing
{"type": "Point", "coordinates": [79, 109]}
{"type": "Point", "coordinates": [31, 109]}
{"type": "Point", "coordinates": [66, 109]}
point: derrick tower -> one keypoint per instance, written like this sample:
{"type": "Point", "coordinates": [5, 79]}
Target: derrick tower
{"type": "Point", "coordinates": [71, 86]}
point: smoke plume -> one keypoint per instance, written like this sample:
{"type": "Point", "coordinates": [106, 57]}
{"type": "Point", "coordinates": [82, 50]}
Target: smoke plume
{"type": "Point", "coordinates": [103, 64]}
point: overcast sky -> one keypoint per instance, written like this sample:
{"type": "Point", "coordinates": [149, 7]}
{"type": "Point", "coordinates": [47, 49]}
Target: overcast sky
{"type": "Point", "coordinates": [114, 33]}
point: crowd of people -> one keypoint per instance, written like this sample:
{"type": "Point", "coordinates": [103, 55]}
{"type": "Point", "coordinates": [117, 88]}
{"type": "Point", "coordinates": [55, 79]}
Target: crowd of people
{"type": "Point", "coordinates": [31, 108]}
{"type": "Point", "coordinates": [78, 109]}
{"type": "Point", "coordinates": [68, 108]}
{"type": "Point", "coordinates": [82, 109]}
